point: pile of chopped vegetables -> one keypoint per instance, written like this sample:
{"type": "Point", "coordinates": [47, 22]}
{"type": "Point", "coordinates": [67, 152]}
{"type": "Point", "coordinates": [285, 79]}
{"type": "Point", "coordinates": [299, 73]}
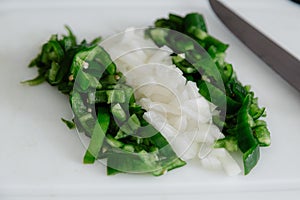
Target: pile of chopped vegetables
{"type": "Point", "coordinates": [151, 111]}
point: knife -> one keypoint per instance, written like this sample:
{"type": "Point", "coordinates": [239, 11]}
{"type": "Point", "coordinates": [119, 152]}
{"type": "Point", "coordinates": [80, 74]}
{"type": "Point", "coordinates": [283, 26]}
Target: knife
{"type": "Point", "coordinates": [296, 1]}
{"type": "Point", "coordinates": [285, 64]}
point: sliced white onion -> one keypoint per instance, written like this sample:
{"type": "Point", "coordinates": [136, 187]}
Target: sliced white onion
{"type": "Point", "coordinates": [173, 105]}
{"type": "Point", "coordinates": [227, 162]}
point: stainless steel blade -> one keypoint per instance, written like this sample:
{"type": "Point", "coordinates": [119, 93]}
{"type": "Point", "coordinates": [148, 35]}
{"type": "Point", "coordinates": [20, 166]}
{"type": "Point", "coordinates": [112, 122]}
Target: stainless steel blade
{"type": "Point", "coordinates": [285, 64]}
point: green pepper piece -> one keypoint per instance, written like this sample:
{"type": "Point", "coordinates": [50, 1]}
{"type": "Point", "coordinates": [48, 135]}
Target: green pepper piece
{"type": "Point", "coordinates": [98, 135]}
{"type": "Point", "coordinates": [161, 143]}
{"type": "Point", "coordinates": [87, 121]}
{"type": "Point", "coordinates": [246, 141]}
{"type": "Point", "coordinates": [221, 47]}
{"type": "Point", "coordinates": [86, 81]}
{"type": "Point", "coordinates": [183, 65]}
{"type": "Point", "coordinates": [77, 104]}
{"type": "Point", "coordinates": [227, 72]}
{"type": "Point", "coordinates": [129, 97]}
{"type": "Point", "coordinates": [70, 40]}
{"type": "Point", "coordinates": [111, 171]}
{"type": "Point", "coordinates": [52, 51]}
{"type": "Point", "coordinates": [163, 23]}
{"type": "Point", "coordinates": [236, 89]}
{"type": "Point", "coordinates": [118, 113]}
{"type": "Point", "coordinates": [123, 161]}
{"type": "Point", "coordinates": [120, 134]}
{"type": "Point", "coordinates": [192, 21]}
{"type": "Point", "coordinates": [250, 158]}
{"type": "Point", "coordinates": [116, 96]}
{"type": "Point", "coordinates": [262, 133]}
{"type": "Point", "coordinates": [114, 142]}
{"type": "Point", "coordinates": [229, 143]}
{"type": "Point", "coordinates": [206, 40]}
{"type": "Point", "coordinates": [83, 57]}
{"type": "Point", "coordinates": [105, 60]}
{"type": "Point", "coordinates": [97, 97]}
{"type": "Point", "coordinates": [158, 35]}
{"type": "Point", "coordinates": [85, 118]}
{"type": "Point", "coordinates": [128, 147]}
{"type": "Point", "coordinates": [179, 43]}
{"type": "Point", "coordinates": [245, 135]}
{"type": "Point", "coordinates": [53, 72]}
{"type": "Point", "coordinates": [176, 21]}
{"type": "Point", "coordinates": [68, 123]}
{"type": "Point", "coordinates": [172, 163]}
{"type": "Point", "coordinates": [134, 122]}
{"type": "Point", "coordinates": [209, 91]}
{"type": "Point", "coordinates": [36, 81]}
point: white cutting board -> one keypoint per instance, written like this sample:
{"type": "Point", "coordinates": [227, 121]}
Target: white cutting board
{"type": "Point", "coordinates": [41, 159]}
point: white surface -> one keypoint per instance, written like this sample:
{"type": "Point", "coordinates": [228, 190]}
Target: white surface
{"type": "Point", "coordinates": [41, 159]}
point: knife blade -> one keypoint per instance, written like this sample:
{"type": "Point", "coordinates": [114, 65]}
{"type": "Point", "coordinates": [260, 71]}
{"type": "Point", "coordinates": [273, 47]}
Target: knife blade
{"type": "Point", "coordinates": [296, 1]}
{"type": "Point", "coordinates": [281, 61]}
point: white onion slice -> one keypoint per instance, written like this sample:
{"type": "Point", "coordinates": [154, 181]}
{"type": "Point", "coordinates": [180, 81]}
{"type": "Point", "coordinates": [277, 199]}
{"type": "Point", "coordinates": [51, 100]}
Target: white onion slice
{"type": "Point", "coordinates": [173, 105]}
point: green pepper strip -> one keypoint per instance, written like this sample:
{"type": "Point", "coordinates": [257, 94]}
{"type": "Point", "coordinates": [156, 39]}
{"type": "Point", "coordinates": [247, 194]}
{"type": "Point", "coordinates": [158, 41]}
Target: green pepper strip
{"type": "Point", "coordinates": [194, 20]}
{"type": "Point", "coordinates": [246, 141]}
{"type": "Point", "coordinates": [98, 136]}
